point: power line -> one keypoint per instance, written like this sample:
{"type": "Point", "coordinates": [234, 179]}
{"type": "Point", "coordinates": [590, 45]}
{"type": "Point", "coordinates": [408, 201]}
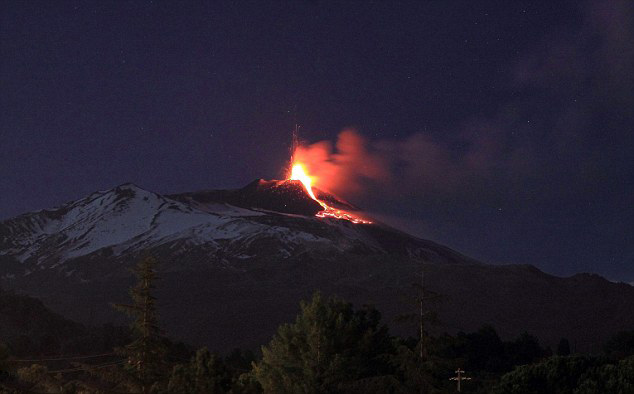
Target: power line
{"type": "Point", "coordinates": [88, 368]}
{"type": "Point", "coordinates": [62, 358]}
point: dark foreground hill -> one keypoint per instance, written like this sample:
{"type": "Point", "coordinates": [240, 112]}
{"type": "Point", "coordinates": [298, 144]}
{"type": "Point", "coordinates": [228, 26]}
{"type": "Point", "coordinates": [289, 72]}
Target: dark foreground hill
{"type": "Point", "coordinates": [234, 264]}
{"type": "Point", "coordinates": [28, 328]}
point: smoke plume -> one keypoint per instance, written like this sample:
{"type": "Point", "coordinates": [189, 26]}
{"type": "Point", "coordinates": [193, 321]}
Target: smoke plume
{"type": "Point", "coordinates": [415, 165]}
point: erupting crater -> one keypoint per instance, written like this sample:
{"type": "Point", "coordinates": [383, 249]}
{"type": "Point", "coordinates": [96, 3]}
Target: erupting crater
{"type": "Point", "coordinates": [298, 173]}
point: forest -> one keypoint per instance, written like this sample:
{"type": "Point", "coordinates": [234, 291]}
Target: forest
{"type": "Point", "coordinates": [331, 347]}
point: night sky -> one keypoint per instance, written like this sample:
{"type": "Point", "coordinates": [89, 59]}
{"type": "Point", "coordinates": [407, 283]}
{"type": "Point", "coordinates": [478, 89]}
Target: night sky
{"type": "Point", "coordinates": [505, 129]}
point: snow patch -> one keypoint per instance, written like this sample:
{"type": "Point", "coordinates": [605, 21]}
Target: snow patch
{"type": "Point", "coordinates": [128, 218]}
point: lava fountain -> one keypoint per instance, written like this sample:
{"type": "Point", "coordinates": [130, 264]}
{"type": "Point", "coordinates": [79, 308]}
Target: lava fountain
{"type": "Point", "coordinates": [298, 172]}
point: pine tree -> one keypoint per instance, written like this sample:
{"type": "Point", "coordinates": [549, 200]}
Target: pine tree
{"type": "Point", "coordinates": [205, 373]}
{"type": "Point", "coordinates": [145, 355]}
{"type": "Point", "coordinates": [329, 348]}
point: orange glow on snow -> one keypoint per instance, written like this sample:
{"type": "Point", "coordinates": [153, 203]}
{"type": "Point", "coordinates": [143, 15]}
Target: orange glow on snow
{"type": "Point", "coordinates": [299, 173]}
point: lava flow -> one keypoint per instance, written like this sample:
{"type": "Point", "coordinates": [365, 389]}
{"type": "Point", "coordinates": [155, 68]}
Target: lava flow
{"type": "Point", "coordinates": [299, 173]}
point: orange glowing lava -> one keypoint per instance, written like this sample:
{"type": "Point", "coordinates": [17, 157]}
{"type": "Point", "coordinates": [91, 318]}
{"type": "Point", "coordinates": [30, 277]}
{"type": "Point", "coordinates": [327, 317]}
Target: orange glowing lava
{"type": "Point", "coordinates": [298, 172]}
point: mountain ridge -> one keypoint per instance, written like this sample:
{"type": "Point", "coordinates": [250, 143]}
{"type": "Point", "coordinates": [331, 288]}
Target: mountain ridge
{"type": "Point", "coordinates": [251, 265]}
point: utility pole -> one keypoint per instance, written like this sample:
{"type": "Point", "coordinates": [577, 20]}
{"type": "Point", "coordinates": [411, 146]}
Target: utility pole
{"type": "Point", "coordinates": [459, 378]}
{"type": "Point", "coordinates": [424, 296]}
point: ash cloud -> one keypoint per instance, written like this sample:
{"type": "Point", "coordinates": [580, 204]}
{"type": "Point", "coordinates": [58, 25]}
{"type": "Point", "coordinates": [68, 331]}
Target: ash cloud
{"type": "Point", "coordinates": [566, 123]}
{"type": "Point", "coordinates": [345, 166]}
{"type": "Point", "coordinates": [353, 162]}
{"type": "Point", "coordinates": [419, 165]}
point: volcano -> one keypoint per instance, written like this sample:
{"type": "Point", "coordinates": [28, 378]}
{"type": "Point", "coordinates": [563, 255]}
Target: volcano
{"type": "Point", "coordinates": [286, 196]}
{"type": "Point", "coordinates": [235, 263]}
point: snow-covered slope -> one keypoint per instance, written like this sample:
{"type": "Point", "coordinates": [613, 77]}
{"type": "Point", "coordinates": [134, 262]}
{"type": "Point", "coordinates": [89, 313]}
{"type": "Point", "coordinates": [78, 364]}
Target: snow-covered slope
{"type": "Point", "coordinates": [126, 220]}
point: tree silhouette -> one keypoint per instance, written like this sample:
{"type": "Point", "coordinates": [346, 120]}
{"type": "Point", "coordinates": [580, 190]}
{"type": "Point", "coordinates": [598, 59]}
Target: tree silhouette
{"type": "Point", "coordinates": [146, 353]}
{"type": "Point", "coordinates": [330, 348]}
